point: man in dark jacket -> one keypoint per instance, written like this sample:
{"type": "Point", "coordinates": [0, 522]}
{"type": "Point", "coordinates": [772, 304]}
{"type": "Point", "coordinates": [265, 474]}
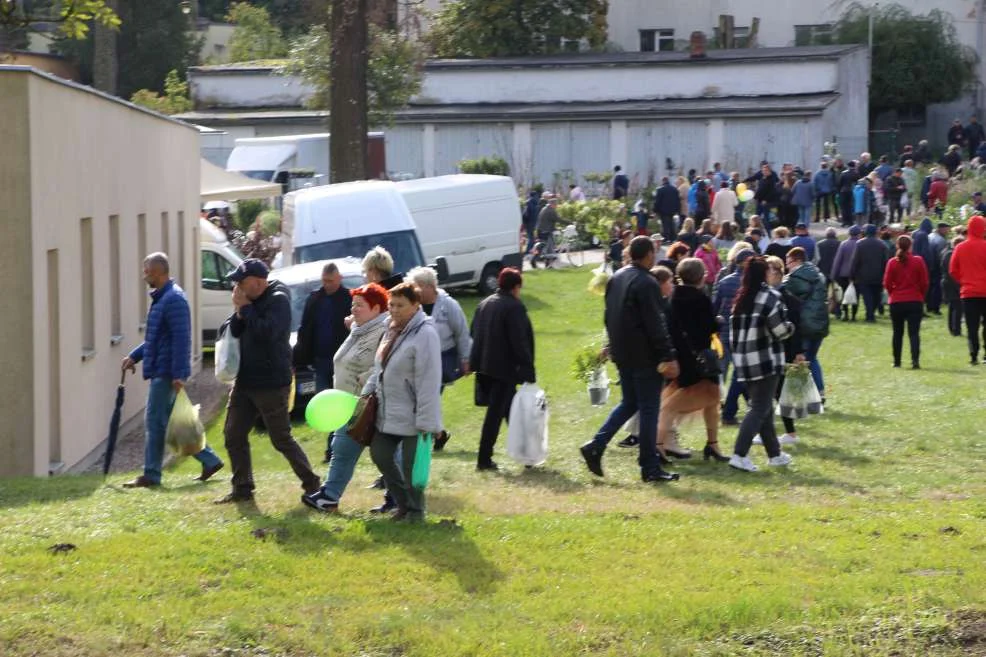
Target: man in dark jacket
{"type": "Point", "coordinates": [974, 136]}
{"type": "Point", "coordinates": [847, 182]}
{"type": "Point", "coordinates": [894, 188]}
{"type": "Point", "coordinates": [956, 133]}
{"type": "Point", "coordinates": [666, 205]}
{"type": "Point", "coordinates": [262, 323]}
{"type": "Point", "coordinates": [502, 356]}
{"type": "Point", "coordinates": [767, 191]}
{"type": "Point", "coordinates": [323, 330]}
{"type": "Point", "coordinates": [621, 183]}
{"type": "Point", "coordinates": [937, 242]}
{"type": "Point", "coordinates": [167, 364]}
{"type": "Point", "coordinates": [869, 261]}
{"type": "Point", "coordinates": [640, 346]}
{"type": "Point", "coordinates": [530, 217]}
{"type": "Point", "coordinates": [808, 285]}
{"type": "Point", "coordinates": [723, 296]}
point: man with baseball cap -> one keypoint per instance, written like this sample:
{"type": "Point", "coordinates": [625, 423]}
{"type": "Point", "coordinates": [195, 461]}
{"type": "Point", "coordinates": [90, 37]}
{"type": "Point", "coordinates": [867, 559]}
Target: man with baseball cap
{"type": "Point", "coordinates": [262, 323]}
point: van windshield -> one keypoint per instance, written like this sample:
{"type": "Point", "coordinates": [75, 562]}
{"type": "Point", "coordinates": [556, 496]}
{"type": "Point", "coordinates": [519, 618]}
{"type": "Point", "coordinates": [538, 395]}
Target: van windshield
{"type": "Point", "coordinates": [402, 245]}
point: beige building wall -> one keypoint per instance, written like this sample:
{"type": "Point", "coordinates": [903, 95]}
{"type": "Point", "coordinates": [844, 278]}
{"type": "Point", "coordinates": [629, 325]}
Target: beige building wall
{"type": "Point", "coordinates": [91, 185]}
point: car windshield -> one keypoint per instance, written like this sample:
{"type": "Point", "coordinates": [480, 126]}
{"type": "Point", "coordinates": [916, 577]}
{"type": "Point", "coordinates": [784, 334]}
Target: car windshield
{"type": "Point", "coordinates": [301, 291]}
{"type": "Point", "coordinates": [402, 245]}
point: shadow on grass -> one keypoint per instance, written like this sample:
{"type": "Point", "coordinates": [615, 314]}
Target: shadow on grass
{"type": "Point", "coordinates": [544, 478]}
{"type": "Point", "coordinates": [843, 416]}
{"type": "Point", "coordinates": [831, 453]}
{"type": "Point", "coordinates": [698, 497]}
{"type": "Point", "coordinates": [21, 492]}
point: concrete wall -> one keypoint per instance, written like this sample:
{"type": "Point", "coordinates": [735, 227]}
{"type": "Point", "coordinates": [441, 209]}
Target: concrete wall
{"type": "Point", "coordinates": [238, 87]}
{"type": "Point", "coordinates": [76, 163]}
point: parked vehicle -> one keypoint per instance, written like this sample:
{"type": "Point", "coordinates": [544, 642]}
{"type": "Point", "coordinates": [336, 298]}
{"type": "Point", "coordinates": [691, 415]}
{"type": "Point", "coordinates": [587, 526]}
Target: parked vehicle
{"type": "Point", "coordinates": [219, 259]}
{"type": "Point", "coordinates": [281, 159]}
{"type": "Point", "coordinates": [471, 220]}
{"type": "Point", "coordinates": [302, 280]}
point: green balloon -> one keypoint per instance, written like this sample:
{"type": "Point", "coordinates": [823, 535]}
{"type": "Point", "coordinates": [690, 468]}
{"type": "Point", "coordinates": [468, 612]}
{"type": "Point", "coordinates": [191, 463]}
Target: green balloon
{"type": "Point", "coordinates": [330, 409]}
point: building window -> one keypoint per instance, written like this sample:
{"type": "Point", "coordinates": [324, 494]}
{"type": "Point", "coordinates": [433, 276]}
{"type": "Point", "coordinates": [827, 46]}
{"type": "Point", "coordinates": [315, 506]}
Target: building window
{"type": "Point", "coordinates": [141, 254]}
{"type": "Point", "coordinates": [656, 40]}
{"type": "Point", "coordinates": [87, 280]}
{"type": "Point", "coordinates": [813, 35]}
{"type": "Point", "coordinates": [165, 233]}
{"type": "Point", "coordinates": [179, 262]}
{"type": "Point", "coordinates": [116, 320]}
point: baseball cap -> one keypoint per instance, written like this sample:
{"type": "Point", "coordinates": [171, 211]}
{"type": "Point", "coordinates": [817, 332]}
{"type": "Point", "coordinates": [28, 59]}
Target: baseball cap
{"type": "Point", "coordinates": [249, 267]}
{"type": "Point", "coordinates": [744, 255]}
{"type": "Point", "coordinates": [870, 230]}
{"type": "Point", "coordinates": [855, 230]}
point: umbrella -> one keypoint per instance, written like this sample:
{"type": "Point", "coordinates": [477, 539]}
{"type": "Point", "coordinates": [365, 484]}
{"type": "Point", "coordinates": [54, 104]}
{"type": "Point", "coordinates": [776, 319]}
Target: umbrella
{"type": "Point", "coordinates": [114, 425]}
{"type": "Point", "coordinates": [216, 205]}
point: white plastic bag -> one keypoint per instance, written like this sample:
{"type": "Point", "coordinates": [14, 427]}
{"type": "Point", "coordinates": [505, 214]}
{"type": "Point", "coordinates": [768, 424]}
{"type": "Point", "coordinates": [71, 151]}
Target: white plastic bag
{"type": "Point", "coordinates": [527, 433]}
{"type": "Point", "coordinates": [227, 356]}
{"type": "Point", "coordinates": [185, 434]}
{"type": "Point", "coordinates": [849, 298]}
{"type": "Point", "coordinates": [799, 395]}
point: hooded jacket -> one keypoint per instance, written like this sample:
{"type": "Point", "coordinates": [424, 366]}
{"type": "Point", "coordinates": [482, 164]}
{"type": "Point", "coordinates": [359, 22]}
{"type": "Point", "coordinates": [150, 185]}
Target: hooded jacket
{"type": "Point", "coordinates": [968, 264]}
{"type": "Point", "coordinates": [869, 261]}
{"type": "Point", "coordinates": [808, 286]}
{"type": "Point", "coordinates": [920, 237]}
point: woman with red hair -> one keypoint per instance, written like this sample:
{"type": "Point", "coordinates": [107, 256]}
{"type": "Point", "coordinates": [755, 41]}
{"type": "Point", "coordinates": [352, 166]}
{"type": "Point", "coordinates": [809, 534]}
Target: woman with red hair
{"type": "Point", "coordinates": [353, 363]}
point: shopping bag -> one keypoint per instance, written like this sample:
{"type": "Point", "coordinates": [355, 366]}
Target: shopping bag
{"type": "Point", "coordinates": [849, 298]}
{"type": "Point", "coordinates": [227, 356]}
{"type": "Point", "coordinates": [421, 469]}
{"type": "Point", "coordinates": [527, 433]}
{"type": "Point", "coordinates": [799, 395]}
{"type": "Point", "coordinates": [185, 434]}
{"type": "Point", "coordinates": [716, 345]}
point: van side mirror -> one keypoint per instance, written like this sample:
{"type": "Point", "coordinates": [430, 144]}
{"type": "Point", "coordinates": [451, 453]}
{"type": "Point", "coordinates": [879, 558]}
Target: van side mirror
{"type": "Point", "coordinates": [441, 267]}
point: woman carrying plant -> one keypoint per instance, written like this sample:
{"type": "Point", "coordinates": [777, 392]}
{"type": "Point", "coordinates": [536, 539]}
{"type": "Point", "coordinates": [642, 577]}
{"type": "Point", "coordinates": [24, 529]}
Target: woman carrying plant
{"type": "Point", "coordinates": [906, 281]}
{"type": "Point", "coordinates": [697, 387]}
{"type": "Point", "coordinates": [407, 379]}
{"type": "Point", "coordinates": [353, 363]}
{"type": "Point", "coordinates": [758, 328]}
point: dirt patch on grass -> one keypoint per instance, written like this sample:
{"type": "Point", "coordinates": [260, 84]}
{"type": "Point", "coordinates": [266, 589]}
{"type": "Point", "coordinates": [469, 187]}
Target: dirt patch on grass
{"type": "Point", "coordinates": [970, 631]}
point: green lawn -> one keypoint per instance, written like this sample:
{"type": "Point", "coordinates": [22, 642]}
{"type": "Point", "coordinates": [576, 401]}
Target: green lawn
{"type": "Point", "coordinates": [872, 543]}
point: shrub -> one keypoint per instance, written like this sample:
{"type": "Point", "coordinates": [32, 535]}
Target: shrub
{"type": "Point", "coordinates": [494, 166]}
{"type": "Point", "coordinates": [593, 218]}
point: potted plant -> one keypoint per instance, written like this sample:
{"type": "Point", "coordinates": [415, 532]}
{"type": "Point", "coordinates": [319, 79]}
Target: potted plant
{"type": "Point", "coordinates": [589, 367]}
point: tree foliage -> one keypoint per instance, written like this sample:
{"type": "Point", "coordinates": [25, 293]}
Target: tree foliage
{"type": "Point", "coordinates": [494, 166]}
{"type": "Point", "coordinates": [72, 18]}
{"type": "Point", "coordinates": [393, 77]}
{"type": "Point", "coordinates": [505, 28]}
{"type": "Point", "coordinates": [255, 36]}
{"type": "Point", "coordinates": [175, 99]}
{"type": "Point", "coordinates": [918, 60]}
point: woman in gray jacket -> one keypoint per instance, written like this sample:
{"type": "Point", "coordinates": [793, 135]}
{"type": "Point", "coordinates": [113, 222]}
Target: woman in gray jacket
{"type": "Point", "coordinates": [353, 364]}
{"type": "Point", "coordinates": [407, 378]}
{"type": "Point", "coordinates": [452, 327]}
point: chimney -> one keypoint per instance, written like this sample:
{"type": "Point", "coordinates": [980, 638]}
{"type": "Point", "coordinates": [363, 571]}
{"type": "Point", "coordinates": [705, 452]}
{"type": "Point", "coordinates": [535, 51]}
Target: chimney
{"type": "Point", "coordinates": [697, 45]}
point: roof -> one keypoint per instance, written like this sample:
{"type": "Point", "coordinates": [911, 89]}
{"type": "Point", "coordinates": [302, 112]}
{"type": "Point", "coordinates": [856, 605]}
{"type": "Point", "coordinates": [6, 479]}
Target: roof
{"type": "Point", "coordinates": [81, 87]}
{"type": "Point", "coordinates": [220, 185]}
{"type": "Point", "coordinates": [639, 58]}
{"type": "Point", "coordinates": [778, 105]}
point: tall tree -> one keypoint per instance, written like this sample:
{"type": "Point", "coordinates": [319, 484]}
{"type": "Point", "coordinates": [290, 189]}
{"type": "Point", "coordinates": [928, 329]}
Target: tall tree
{"type": "Point", "coordinates": [917, 60]}
{"type": "Point", "coordinates": [255, 36]}
{"type": "Point", "coordinates": [505, 28]}
{"type": "Point", "coordinates": [348, 103]}
{"type": "Point", "coordinates": [105, 60]}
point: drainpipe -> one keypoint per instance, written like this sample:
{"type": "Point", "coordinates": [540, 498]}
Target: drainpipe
{"type": "Point", "coordinates": [980, 26]}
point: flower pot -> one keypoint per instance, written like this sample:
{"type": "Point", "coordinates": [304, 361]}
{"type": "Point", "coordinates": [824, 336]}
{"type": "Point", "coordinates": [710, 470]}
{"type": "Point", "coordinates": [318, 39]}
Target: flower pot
{"type": "Point", "coordinates": [598, 396]}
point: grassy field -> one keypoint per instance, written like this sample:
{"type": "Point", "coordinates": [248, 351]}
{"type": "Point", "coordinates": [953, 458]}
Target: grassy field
{"type": "Point", "coordinates": [872, 543]}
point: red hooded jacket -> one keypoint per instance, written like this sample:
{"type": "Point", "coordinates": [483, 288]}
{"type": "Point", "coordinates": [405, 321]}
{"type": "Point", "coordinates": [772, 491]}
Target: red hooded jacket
{"type": "Point", "coordinates": [906, 281]}
{"type": "Point", "coordinates": [968, 265]}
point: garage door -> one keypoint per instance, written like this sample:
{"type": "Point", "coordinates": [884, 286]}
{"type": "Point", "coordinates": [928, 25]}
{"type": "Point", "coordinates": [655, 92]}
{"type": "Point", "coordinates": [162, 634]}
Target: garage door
{"type": "Point", "coordinates": [457, 142]}
{"type": "Point", "coordinates": [568, 150]}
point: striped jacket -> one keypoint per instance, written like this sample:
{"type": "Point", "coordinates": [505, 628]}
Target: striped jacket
{"type": "Point", "coordinates": [756, 339]}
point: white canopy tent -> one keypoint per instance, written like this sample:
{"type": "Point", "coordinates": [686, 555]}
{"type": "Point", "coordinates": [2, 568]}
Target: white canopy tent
{"type": "Point", "coordinates": [220, 185]}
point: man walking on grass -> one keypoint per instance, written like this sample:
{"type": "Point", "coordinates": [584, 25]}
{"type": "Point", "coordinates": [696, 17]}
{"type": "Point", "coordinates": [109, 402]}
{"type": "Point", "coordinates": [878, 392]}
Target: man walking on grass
{"type": "Point", "coordinates": [640, 346]}
{"type": "Point", "coordinates": [262, 323]}
{"type": "Point", "coordinates": [166, 357]}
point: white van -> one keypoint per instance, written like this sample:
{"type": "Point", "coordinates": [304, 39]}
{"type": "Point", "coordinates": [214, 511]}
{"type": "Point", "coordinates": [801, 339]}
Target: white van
{"type": "Point", "coordinates": [472, 220]}
{"type": "Point", "coordinates": [348, 219]}
{"type": "Point", "coordinates": [219, 259]}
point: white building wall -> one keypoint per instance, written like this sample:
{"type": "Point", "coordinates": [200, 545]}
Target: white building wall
{"type": "Point", "coordinates": [457, 142]}
{"type": "Point", "coordinates": [404, 149]}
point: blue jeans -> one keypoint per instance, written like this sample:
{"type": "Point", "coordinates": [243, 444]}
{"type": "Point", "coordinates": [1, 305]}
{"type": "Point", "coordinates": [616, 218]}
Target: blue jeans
{"type": "Point", "coordinates": [811, 347]}
{"type": "Point", "coordinates": [730, 407]}
{"type": "Point", "coordinates": [345, 455]}
{"type": "Point", "coordinates": [530, 238]}
{"type": "Point", "coordinates": [323, 374]}
{"type": "Point", "coordinates": [641, 393]}
{"type": "Point", "coordinates": [160, 400]}
{"type": "Point", "coordinates": [872, 298]}
{"type": "Point", "coordinates": [804, 214]}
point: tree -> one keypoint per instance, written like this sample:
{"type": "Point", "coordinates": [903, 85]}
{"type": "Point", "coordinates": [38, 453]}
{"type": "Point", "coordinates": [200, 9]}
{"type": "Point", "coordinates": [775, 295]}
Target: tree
{"type": "Point", "coordinates": [254, 36]}
{"type": "Point", "coordinates": [348, 102]}
{"type": "Point", "coordinates": [71, 18]}
{"type": "Point", "coordinates": [393, 76]}
{"type": "Point", "coordinates": [918, 60]}
{"type": "Point", "coordinates": [174, 101]}
{"type": "Point", "coordinates": [506, 28]}
{"type": "Point", "coordinates": [105, 57]}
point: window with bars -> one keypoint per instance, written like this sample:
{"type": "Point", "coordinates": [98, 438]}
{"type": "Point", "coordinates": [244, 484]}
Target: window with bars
{"type": "Point", "coordinates": [656, 40]}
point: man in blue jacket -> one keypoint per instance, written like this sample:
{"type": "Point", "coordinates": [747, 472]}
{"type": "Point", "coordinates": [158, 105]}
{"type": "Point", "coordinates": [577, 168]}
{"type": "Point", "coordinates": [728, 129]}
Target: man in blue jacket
{"type": "Point", "coordinates": [824, 191]}
{"type": "Point", "coordinates": [166, 357]}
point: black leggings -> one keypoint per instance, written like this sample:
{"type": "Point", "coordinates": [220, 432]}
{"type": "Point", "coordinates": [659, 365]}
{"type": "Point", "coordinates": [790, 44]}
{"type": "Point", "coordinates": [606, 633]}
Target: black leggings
{"type": "Point", "coordinates": [911, 313]}
{"type": "Point", "coordinates": [975, 311]}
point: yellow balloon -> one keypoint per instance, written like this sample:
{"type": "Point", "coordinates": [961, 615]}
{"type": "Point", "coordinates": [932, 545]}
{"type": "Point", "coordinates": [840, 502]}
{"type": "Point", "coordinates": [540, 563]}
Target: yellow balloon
{"type": "Point", "coordinates": [740, 188]}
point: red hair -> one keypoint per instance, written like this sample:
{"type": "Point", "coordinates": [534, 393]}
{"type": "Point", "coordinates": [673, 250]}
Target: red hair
{"type": "Point", "coordinates": [374, 294]}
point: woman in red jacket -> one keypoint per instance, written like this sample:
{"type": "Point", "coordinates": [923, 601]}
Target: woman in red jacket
{"type": "Point", "coordinates": [906, 281]}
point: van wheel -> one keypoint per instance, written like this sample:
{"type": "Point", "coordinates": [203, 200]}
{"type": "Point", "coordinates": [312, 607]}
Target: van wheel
{"type": "Point", "coordinates": [487, 280]}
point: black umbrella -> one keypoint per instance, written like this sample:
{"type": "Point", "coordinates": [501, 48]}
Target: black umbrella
{"type": "Point", "coordinates": [114, 425]}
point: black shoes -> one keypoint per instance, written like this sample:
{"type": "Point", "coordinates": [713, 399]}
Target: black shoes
{"type": "Point", "coordinates": [487, 466]}
{"type": "Point", "coordinates": [377, 484]}
{"type": "Point", "coordinates": [660, 475]}
{"type": "Point", "coordinates": [387, 506]}
{"type": "Point", "coordinates": [141, 482]}
{"type": "Point", "coordinates": [208, 472]}
{"type": "Point", "coordinates": [710, 452]}
{"type": "Point", "coordinates": [629, 441]}
{"type": "Point", "coordinates": [440, 440]}
{"type": "Point", "coordinates": [593, 458]}
{"type": "Point", "coordinates": [234, 497]}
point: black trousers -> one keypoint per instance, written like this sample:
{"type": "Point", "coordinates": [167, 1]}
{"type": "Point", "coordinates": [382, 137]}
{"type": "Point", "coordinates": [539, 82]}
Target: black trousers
{"type": "Point", "coordinates": [500, 396]}
{"type": "Point", "coordinates": [826, 201]}
{"type": "Point", "coordinates": [668, 228]}
{"type": "Point", "coordinates": [909, 313]}
{"type": "Point", "coordinates": [845, 204]}
{"type": "Point", "coordinates": [896, 212]}
{"type": "Point", "coordinates": [975, 310]}
{"type": "Point", "coordinates": [955, 317]}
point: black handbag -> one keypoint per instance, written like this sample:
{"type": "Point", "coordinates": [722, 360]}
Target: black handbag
{"type": "Point", "coordinates": [451, 366]}
{"type": "Point", "coordinates": [706, 361]}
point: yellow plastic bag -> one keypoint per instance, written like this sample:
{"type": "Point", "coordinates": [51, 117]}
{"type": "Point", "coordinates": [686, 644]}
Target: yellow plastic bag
{"type": "Point", "coordinates": [717, 345]}
{"type": "Point", "coordinates": [185, 434]}
{"type": "Point", "coordinates": [291, 395]}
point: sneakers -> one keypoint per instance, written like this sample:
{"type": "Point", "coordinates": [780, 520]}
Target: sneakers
{"type": "Point", "coordinates": [320, 502]}
{"type": "Point", "coordinates": [742, 463]}
{"type": "Point", "coordinates": [629, 441]}
{"type": "Point", "coordinates": [757, 440]}
{"type": "Point", "coordinates": [789, 439]}
{"type": "Point", "coordinates": [780, 460]}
